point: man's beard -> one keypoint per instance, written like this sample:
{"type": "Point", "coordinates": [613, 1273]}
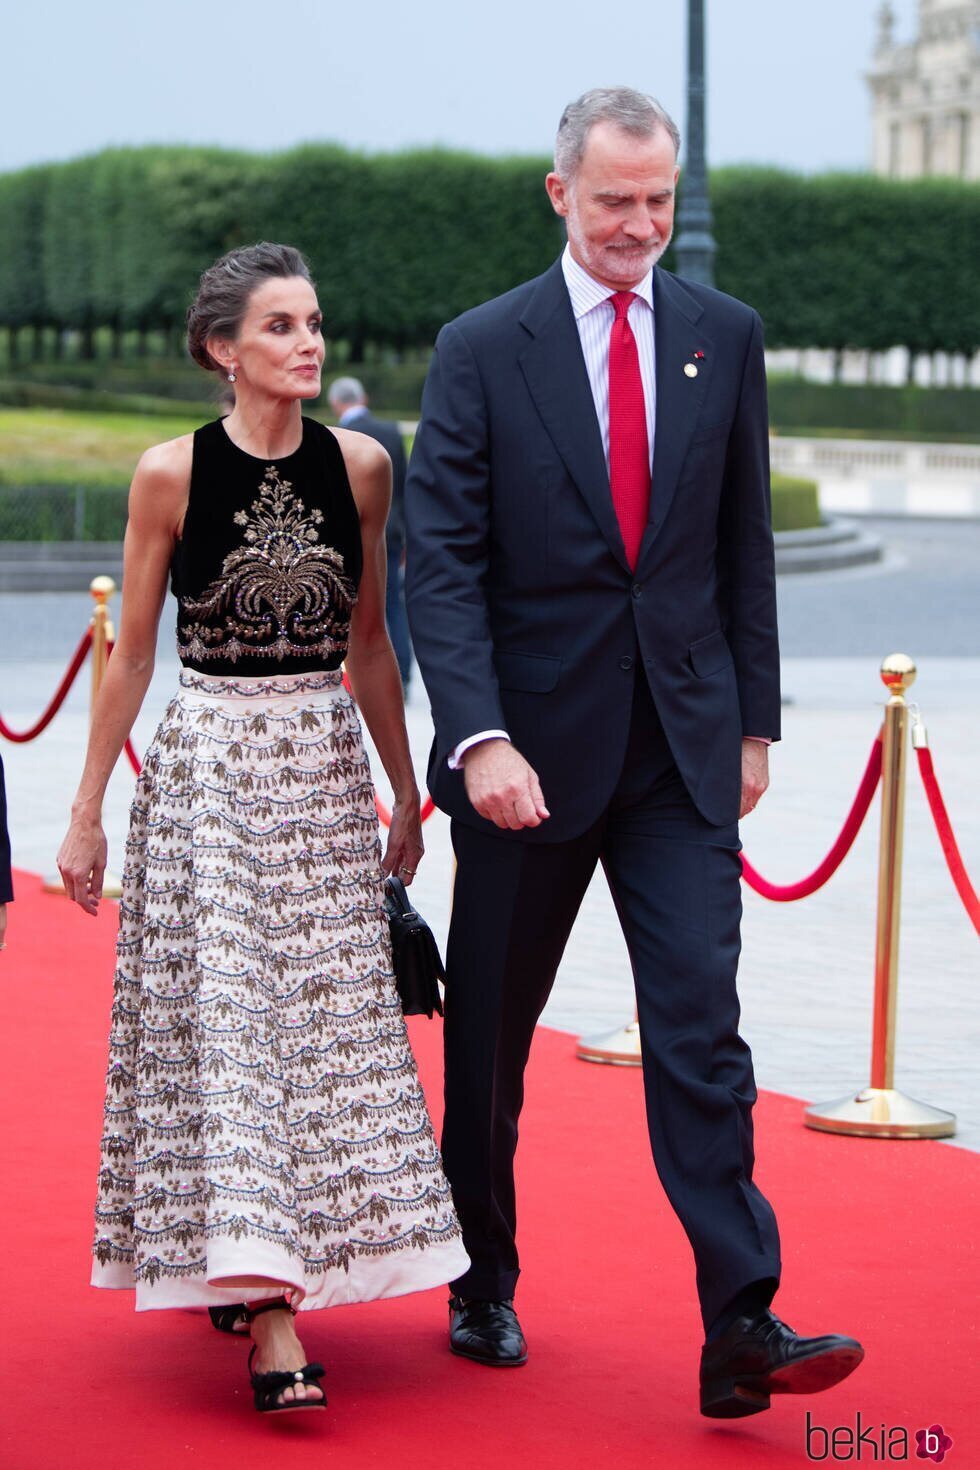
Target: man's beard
{"type": "Point", "coordinates": [643, 256]}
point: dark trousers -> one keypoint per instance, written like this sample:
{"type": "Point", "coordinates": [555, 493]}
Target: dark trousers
{"type": "Point", "coordinates": [675, 882]}
{"type": "Point", "coordinates": [396, 616]}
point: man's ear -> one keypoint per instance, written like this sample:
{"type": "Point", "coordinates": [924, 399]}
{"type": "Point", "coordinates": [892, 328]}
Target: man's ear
{"type": "Point", "coordinates": [558, 192]}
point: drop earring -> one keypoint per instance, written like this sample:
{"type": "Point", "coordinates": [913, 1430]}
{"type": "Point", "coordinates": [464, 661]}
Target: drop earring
{"type": "Point", "coordinates": [232, 376]}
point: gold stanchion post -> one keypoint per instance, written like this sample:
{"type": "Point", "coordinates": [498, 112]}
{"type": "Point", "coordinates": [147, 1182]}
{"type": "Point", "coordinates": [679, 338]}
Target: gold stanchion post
{"type": "Point", "coordinates": [880, 1111]}
{"type": "Point", "coordinates": [103, 634]}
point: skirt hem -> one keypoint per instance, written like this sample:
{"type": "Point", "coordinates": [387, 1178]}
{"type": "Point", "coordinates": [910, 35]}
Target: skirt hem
{"type": "Point", "coordinates": [361, 1282]}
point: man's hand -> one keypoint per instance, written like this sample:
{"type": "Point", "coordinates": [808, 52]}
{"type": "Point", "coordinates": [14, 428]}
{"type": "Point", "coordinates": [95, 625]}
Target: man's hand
{"type": "Point", "coordinates": [755, 773]}
{"type": "Point", "coordinates": [502, 786]}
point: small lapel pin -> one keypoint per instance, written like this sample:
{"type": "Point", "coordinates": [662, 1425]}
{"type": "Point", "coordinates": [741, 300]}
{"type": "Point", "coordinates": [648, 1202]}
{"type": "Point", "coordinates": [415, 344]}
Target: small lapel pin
{"type": "Point", "coordinates": [690, 370]}
{"type": "Point", "coordinates": [699, 355]}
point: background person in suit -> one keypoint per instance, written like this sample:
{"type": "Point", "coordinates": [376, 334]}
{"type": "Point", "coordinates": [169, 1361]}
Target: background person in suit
{"type": "Point", "coordinates": [349, 402]}
{"type": "Point", "coordinates": [599, 647]}
{"type": "Point", "coordinates": [6, 881]}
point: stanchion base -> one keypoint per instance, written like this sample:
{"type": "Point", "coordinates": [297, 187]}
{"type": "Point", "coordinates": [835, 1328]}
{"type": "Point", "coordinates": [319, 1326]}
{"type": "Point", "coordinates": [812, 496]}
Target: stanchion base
{"type": "Point", "coordinates": [617, 1049]}
{"type": "Point", "coordinates": [111, 886]}
{"type": "Point", "coordinates": [881, 1112]}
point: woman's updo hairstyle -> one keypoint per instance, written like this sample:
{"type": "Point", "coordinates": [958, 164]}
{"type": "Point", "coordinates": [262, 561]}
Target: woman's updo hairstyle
{"type": "Point", "coordinates": [223, 294]}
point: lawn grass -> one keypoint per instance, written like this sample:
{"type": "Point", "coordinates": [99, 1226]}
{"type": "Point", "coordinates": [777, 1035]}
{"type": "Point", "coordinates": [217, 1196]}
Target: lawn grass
{"type": "Point", "coordinates": [65, 447]}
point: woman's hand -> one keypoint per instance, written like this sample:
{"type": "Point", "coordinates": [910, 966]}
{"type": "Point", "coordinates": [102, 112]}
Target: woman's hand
{"type": "Point", "coordinates": [3, 926]}
{"type": "Point", "coordinates": [405, 848]}
{"type": "Point", "coordinates": [81, 862]}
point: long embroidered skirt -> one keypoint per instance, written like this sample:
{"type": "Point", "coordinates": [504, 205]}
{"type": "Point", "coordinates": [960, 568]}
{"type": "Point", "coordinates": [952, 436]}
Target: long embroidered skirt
{"type": "Point", "coordinates": [263, 1111]}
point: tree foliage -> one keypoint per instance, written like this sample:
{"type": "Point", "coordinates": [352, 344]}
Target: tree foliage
{"type": "Point", "coordinates": [400, 243]}
{"type": "Point", "coordinates": [852, 260]}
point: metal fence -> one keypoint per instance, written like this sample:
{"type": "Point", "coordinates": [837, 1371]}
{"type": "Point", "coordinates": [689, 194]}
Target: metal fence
{"type": "Point", "coordinates": [62, 512]}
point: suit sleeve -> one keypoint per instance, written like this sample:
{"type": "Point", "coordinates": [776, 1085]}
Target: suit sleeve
{"type": "Point", "coordinates": [6, 881]}
{"type": "Point", "coordinates": [746, 551]}
{"type": "Point", "coordinates": [447, 504]}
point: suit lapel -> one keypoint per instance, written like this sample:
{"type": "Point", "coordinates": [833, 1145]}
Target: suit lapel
{"type": "Point", "coordinates": [679, 396]}
{"type": "Point", "coordinates": [554, 370]}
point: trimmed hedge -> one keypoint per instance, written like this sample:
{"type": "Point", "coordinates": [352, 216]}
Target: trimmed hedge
{"type": "Point", "coordinates": [98, 512]}
{"type": "Point", "coordinates": [852, 260]}
{"type": "Point", "coordinates": [795, 406]}
{"type": "Point", "coordinates": [795, 506]}
{"type": "Point", "coordinates": [402, 242]}
{"type": "Point", "coordinates": [163, 377]}
{"type": "Point", "coordinates": [90, 400]}
{"type": "Point", "coordinates": [798, 407]}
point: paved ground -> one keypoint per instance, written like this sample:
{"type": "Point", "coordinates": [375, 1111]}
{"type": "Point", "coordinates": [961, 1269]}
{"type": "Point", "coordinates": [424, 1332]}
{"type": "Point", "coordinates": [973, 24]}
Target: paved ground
{"type": "Point", "coordinates": [806, 977]}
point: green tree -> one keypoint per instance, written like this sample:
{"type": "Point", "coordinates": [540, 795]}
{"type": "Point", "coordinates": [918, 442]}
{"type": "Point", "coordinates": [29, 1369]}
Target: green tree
{"type": "Point", "coordinates": [23, 302]}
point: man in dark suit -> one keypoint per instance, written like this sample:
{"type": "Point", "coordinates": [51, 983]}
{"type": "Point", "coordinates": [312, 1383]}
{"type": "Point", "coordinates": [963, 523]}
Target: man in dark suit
{"type": "Point", "coordinates": [591, 593]}
{"type": "Point", "coordinates": [349, 402]}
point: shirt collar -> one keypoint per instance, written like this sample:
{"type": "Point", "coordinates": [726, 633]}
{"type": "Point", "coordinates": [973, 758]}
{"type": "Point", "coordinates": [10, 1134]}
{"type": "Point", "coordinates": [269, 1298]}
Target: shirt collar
{"type": "Point", "coordinates": [586, 292]}
{"type": "Point", "coordinates": [355, 411]}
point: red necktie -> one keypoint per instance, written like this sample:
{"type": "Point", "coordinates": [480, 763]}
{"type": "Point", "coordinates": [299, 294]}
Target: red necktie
{"type": "Point", "coordinates": [629, 448]}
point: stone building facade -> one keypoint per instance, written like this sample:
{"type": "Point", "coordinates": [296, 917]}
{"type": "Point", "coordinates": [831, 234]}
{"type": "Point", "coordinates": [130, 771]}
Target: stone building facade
{"type": "Point", "coordinates": [926, 93]}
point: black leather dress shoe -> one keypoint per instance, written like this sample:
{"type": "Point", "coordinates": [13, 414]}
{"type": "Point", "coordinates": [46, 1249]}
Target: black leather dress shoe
{"type": "Point", "coordinates": [487, 1332]}
{"type": "Point", "coordinates": [758, 1356]}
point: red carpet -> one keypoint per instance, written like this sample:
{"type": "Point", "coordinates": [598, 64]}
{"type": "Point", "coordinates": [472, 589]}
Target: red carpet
{"type": "Point", "coordinates": [878, 1238]}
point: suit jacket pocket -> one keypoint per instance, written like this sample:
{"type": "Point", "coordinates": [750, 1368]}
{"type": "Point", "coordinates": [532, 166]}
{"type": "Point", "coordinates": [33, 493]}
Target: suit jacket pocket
{"type": "Point", "coordinates": [709, 655]}
{"type": "Point", "coordinates": [533, 673]}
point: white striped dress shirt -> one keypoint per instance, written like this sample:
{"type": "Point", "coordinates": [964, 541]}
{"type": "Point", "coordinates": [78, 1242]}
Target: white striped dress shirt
{"type": "Point", "coordinates": [594, 315]}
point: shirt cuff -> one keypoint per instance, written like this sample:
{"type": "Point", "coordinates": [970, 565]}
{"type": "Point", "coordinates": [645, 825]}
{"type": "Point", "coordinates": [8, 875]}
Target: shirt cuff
{"type": "Point", "coordinates": [762, 739]}
{"type": "Point", "coordinates": [456, 756]}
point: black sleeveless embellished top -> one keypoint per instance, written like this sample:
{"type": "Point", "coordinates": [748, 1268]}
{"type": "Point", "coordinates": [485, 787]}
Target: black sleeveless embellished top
{"type": "Point", "coordinates": [268, 564]}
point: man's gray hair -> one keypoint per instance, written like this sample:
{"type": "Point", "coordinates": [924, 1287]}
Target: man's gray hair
{"type": "Point", "coordinates": [346, 391]}
{"type": "Point", "coordinates": [634, 112]}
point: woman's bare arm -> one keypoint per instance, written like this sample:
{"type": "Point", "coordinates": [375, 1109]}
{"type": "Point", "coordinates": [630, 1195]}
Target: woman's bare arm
{"type": "Point", "coordinates": [371, 665]}
{"type": "Point", "coordinates": [157, 501]}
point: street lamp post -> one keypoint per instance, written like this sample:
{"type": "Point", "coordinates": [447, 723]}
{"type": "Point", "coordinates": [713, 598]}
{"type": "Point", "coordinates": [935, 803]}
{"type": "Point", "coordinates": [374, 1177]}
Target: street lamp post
{"type": "Point", "coordinates": [695, 246]}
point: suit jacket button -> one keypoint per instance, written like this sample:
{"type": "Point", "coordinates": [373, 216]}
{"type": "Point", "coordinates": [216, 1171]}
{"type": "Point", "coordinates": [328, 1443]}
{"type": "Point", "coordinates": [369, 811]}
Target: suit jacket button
{"type": "Point", "coordinates": [637, 589]}
{"type": "Point", "coordinates": [626, 663]}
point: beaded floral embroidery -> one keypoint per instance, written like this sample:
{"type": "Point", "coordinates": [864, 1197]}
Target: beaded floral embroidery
{"type": "Point", "coordinates": [281, 594]}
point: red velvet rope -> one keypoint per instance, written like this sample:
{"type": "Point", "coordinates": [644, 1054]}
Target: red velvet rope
{"type": "Point", "coordinates": [21, 737]}
{"type": "Point", "coordinates": [951, 851]}
{"type": "Point", "coordinates": [781, 893]}
{"type": "Point", "coordinates": [384, 815]}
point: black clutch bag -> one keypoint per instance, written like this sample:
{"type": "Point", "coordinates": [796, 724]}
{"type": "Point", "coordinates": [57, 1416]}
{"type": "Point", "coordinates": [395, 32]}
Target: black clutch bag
{"type": "Point", "coordinates": [414, 953]}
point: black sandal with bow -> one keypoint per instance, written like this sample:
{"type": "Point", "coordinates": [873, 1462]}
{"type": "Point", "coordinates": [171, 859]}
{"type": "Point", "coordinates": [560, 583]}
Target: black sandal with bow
{"type": "Point", "coordinates": [267, 1387]}
{"type": "Point", "coordinates": [232, 1319]}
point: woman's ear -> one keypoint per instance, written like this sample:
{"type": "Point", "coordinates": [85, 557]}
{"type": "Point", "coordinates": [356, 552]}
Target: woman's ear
{"type": "Point", "coordinates": [221, 351]}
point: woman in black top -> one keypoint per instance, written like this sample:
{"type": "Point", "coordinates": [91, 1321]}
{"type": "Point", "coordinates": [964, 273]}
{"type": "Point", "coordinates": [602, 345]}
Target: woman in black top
{"type": "Point", "coordinates": [266, 1138]}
